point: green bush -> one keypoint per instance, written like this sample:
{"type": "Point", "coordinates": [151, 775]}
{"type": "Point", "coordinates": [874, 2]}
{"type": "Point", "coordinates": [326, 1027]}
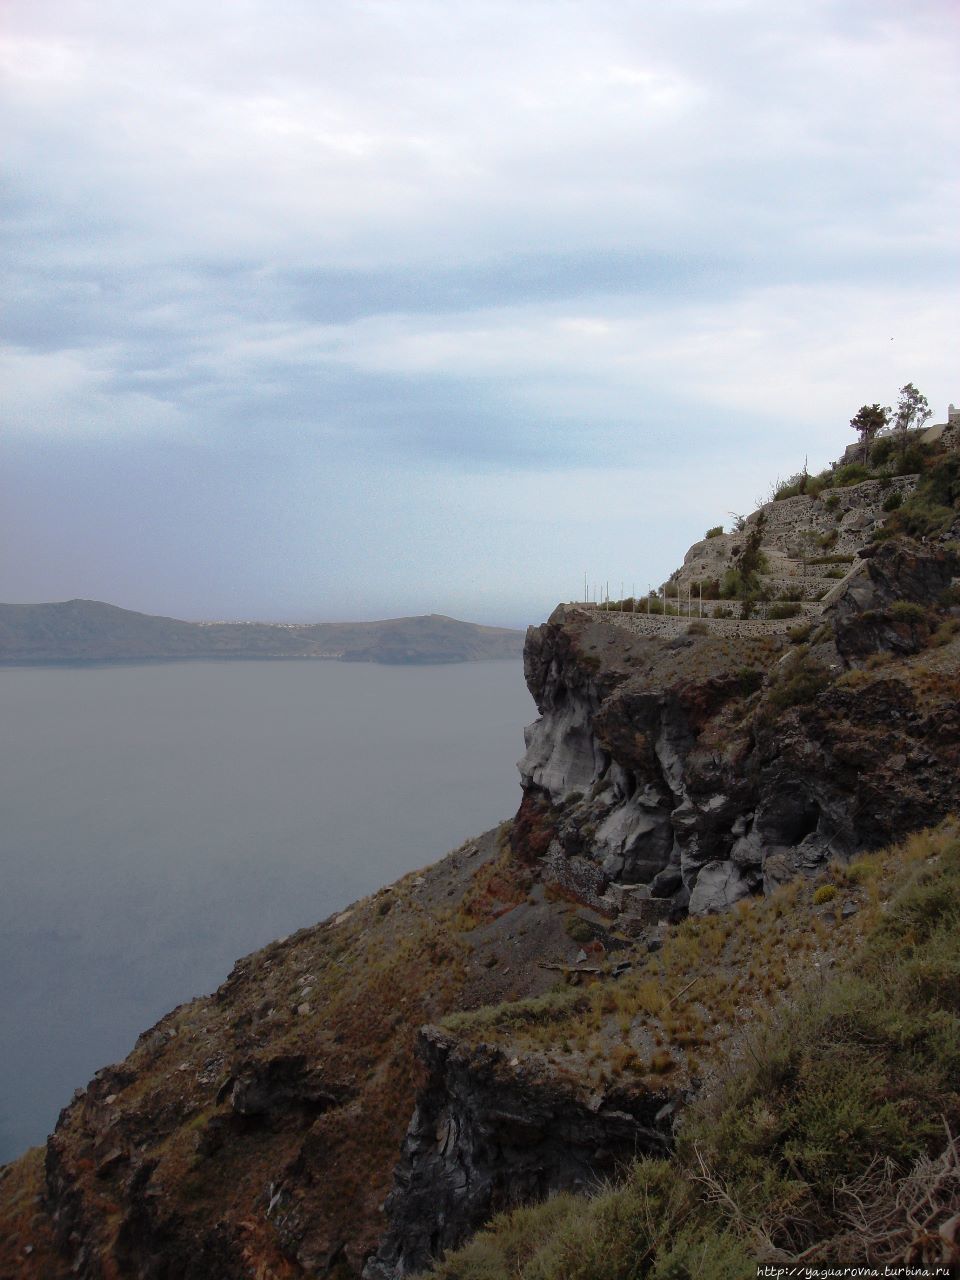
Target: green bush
{"type": "Point", "coordinates": [941, 484]}
{"type": "Point", "coordinates": [911, 460]}
{"type": "Point", "coordinates": [882, 451]}
{"type": "Point", "coordinates": [749, 680]}
{"type": "Point", "coordinates": [715, 532]}
{"type": "Point", "coordinates": [832, 501]}
{"type": "Point", "coordinates": [817, 484]}
{"type": "Point", "coordinates": [931, 508]}
{"type": "Point", "coordinates": [826, 893]}
{"type": "Point", "coordinates": [790, 488]}
{"type": "Point", "coordinates": [783, 609]}
{"type": "Point", "coordinates": [851, 473]}
{"type": "Point", "coordinates": [907, 611]}
{"type": "Point", "coordinates": [800, 680]}
{"type": "Point", "coordinates": [579, 930]}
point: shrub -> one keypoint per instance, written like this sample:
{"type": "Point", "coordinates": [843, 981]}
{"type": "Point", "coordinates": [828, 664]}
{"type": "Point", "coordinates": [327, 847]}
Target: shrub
{"type": "Point", "coordinates": [697, 628]}
{"type": "Point", "coordinates": [749, 680]}
{"type": "Point", "coordinates": [862, 869]}
{"type": "Point", "coordinates": [945, 632]}
{"type": "Point", "coordinates": [799, 681]}
{"type": "Point", "coordinates": [798, 634]}
{"type": "Point", "coordinates": [790, 488]}
{"type": "Point", "coordinates": [832, 501]}
{"type": "Point", "coordinates": [931, 508]}
{"type": "Point", "coordinates": [707, 589]}
{"type": "Point", "coordinates": [908, 612]}
{"type": "Point", "coordinates": [817, 484]}
{"type": "Point", "coordinates": [912, 460]}
{"type": "Point", "coordinates": [826, 893]}
{"type": "Point", "coordinates": [851, 473]}
{"type": "Point", "coordinates": [715, 532]}
{"type": "Point", "coordinates": [941, 484]}
{"type": "Point", "coordinates": [783, 609]}
{"type": "Point", "coordinates": [882, 451]}
{"type": "Point", "coordinates": [579, 930]}
{"type": "Point", "coordinates": [723, 612]}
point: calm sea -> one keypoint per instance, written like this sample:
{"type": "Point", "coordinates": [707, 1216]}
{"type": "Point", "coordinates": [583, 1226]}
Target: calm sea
{"type": "Point", "coordinates": [159, 821]}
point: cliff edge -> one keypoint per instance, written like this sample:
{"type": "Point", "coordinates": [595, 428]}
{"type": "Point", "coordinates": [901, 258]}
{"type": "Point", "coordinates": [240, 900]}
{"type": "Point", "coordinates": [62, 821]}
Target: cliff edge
{"type": "Point", "coordinates": [703, 802]}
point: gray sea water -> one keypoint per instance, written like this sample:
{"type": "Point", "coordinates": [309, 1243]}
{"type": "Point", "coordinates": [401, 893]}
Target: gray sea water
{"type": "Point", "coordinates": [159, 821]}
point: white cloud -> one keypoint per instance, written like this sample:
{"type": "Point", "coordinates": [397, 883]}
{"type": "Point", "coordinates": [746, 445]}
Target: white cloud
{"type": "Point", "coordinates": [774, 182]}
{"type": "Point", "coordinates": [63, 394]}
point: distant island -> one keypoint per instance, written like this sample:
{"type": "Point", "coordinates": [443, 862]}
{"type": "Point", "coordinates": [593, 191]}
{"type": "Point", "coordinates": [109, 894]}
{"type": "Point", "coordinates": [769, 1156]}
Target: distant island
{"type": "Point", "coordinates": [91, 631]}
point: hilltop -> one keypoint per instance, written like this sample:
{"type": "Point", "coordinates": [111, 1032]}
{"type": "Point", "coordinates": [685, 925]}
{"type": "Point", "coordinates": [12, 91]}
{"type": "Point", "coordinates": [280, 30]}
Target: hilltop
{"type": "Point", "coordinates": [663, 1023]}
{"type": "Point", "coordinates": [90, 631]}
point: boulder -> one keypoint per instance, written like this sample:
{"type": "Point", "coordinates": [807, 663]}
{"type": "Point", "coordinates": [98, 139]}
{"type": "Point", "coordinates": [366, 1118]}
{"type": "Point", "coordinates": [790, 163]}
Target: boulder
{"type": "Point", "coordinates": [719, 885]}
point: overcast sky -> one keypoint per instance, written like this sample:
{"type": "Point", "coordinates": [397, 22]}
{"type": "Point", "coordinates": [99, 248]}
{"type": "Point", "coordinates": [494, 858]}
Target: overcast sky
{"type": "Point", "coordinates": [337, 310]}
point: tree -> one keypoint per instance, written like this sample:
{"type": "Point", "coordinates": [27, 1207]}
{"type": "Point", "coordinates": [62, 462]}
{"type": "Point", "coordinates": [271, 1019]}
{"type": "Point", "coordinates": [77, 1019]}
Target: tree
{"type": "Point", "coordinates": [869, 421]}
{"type": "Point", "coordinates": [912, 409]}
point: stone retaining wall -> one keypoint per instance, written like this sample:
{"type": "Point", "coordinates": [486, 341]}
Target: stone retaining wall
{"type": "Point", "coordinates": [665, 626]}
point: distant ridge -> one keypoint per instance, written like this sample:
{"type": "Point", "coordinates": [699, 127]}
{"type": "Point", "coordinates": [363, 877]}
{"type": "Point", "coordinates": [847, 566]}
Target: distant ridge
{"type": "Point", "coordinates": [91, 631]}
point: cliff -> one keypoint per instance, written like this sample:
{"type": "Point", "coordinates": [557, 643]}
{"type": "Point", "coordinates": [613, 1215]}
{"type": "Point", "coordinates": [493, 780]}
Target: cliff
{"type": "Point", "coordinates": [703, 799]}
{"type": "Point", "coordinates": [90, 631]}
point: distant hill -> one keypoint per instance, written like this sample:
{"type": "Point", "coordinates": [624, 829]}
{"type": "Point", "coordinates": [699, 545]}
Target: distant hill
{"type": "Point", "coordinates": [90, 631]}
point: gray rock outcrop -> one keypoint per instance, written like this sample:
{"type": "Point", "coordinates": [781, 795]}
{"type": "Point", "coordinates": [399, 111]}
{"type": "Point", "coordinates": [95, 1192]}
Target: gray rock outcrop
{"type": "Point", "coordinates": [489, 1133]}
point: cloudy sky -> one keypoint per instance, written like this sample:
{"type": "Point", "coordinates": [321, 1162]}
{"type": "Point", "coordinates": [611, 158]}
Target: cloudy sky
{"type": "Point", "coordinates": [329, 310]}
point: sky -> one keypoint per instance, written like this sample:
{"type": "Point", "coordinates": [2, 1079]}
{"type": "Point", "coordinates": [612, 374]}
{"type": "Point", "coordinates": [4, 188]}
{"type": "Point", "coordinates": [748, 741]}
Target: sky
{"type": "Point", "coordinates": [322, 311]}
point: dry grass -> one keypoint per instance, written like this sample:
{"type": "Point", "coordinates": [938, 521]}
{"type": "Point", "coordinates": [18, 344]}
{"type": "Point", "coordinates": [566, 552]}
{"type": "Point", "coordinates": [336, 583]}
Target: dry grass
{"type": "Point", "coordinates": [832, 1145]}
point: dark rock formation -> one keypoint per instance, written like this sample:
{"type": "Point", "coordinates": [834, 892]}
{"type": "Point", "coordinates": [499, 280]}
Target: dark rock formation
{"type": "Point", "coordinates": [488, 1134]}
{"type": "Point", "coordinates": [884, 606]}
{"type": "Point", "coordinates": [689, 769]}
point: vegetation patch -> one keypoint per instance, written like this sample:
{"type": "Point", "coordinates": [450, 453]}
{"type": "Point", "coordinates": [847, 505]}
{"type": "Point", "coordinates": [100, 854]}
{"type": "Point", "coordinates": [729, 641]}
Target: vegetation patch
{"type": "Point", "coordinates": [782, 1165]}
{"type": "Point", "coordinates": [798, 681]}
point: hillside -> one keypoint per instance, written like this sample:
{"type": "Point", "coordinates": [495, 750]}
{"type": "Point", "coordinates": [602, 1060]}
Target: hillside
{"type": "Point", "coordinates": [696, 1007]}
{"type": "Point", "coordinates": [90, 631]}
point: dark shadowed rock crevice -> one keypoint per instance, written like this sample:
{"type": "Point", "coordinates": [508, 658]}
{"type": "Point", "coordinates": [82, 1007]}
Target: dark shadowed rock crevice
{"type": "Point", "coordinates": [491, 1132]}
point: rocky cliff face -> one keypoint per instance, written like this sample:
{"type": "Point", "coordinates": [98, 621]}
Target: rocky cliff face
{"type": "Point", "coordinates": [670, 774]}
{"type": "Point", "coordinates": [711, 767]}
{"type": "Point", "coordinates": [490, 1132]}
{"type": "Point", "coordinates": [668, 777]}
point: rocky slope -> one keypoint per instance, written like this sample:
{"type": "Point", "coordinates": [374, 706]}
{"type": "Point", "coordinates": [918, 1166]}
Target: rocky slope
{"type": "Point", "coordinates": [537, 1009]}
{"type": "Point", "coordinates": [710, 767]}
